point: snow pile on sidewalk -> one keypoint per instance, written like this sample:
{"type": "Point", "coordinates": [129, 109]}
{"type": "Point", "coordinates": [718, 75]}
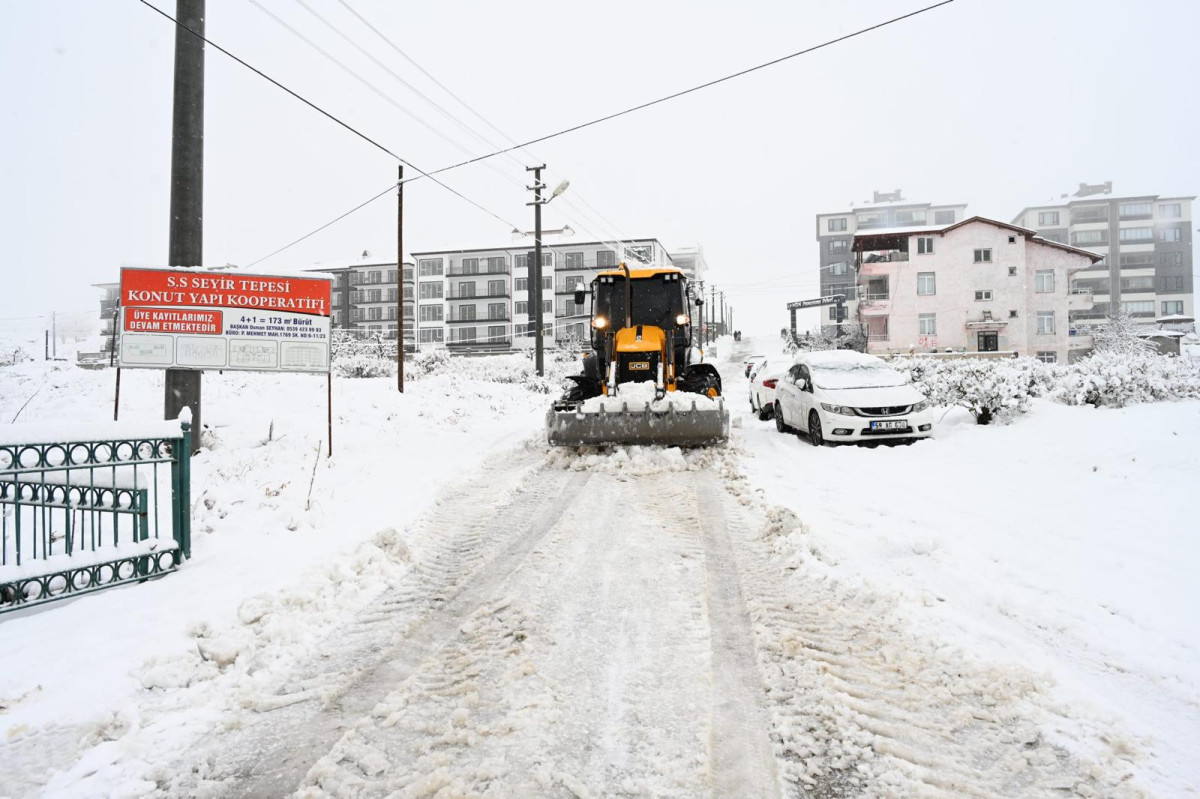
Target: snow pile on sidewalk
{"type": "Point", "coordinates": [272, 515]}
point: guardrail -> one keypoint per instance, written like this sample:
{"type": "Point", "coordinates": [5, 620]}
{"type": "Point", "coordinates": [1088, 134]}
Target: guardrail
{"type": "Point", "coordinates": [85, 510]}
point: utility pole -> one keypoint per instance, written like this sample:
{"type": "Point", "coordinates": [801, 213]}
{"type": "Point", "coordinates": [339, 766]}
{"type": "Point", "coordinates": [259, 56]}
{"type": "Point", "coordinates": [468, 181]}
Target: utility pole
{"type": "Point", "coordinates": [700, 329]}
{"type": "Point", "coordinates": [724, 329]}
{"type": "Point", "coordinates": [186, 246]}
{"type": "Point", "coordinates": [54, 334]}
{"type": "Point", "coordinates": [400, 279]}
{"type": "Point", "coordinates": [712, 309]}
{"type": "Point", "coordinates": [535, 269]}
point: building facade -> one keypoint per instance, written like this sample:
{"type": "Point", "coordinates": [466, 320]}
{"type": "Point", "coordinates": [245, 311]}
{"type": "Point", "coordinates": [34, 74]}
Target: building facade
{"type": "Point", "coordinates": [836, 232]}
{"type": "Point", "coordinates": [978, 285]}
{"type": "Point", "coordinates": [1145, 244]}
{"type": "Point", "coordinates": [364, 297]}
{"type": "Point", "coordinates": [479, 299]}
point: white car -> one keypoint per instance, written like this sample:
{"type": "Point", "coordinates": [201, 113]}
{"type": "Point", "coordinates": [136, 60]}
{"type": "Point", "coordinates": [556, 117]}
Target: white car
{"type": "Point", "coordinates": [763, 380]}
{"type": "Point", "coordinates": [843, 396]}
{"type": "Point", "coordinates": [752, 362]}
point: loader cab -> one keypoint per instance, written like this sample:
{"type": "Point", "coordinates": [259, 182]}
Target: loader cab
{"type": "Point", "coordinates": [659, 300]}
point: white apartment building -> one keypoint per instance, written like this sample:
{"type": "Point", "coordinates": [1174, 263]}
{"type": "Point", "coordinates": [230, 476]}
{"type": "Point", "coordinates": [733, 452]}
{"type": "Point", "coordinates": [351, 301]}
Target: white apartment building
{"type": "Point", "coordinates": [478, 299]}
{"type": "Point", "coordinates": [1145, 244]}
{"type": "Point", "coordinates": [977, 285]}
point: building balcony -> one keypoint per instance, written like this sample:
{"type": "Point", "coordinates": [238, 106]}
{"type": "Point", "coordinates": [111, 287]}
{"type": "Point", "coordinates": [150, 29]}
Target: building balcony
{"type": "Point", "coordinates": [458, 271]}
{"type": "Point", "coordinates": [483, 342]}
{"type": "Point", "coordinates": [452, 297]}
{"type": "Point", "coordinates": [1080, 300]}
{"type": "Point", "coordinates": [1080, 341]}
{"type": "Point", "coordinates": [458, 319]}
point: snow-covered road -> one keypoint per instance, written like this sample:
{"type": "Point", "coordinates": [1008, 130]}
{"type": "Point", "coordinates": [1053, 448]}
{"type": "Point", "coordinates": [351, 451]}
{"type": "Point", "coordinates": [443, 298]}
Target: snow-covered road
{"type": "Point", "coordinates": [641, 622]}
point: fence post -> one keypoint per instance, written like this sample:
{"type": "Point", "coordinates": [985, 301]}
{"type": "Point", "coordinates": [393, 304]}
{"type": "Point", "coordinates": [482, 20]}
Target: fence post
{"type": "Point", "coordinates": [185, 492]}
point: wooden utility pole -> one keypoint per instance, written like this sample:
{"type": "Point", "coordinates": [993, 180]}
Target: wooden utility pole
{"type": "Point", "coordinates": [186, 247]}
{"type": "Point", "coordinates": [400, 280]}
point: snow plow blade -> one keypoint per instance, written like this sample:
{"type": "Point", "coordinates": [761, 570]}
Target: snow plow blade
{"type": "Point", "coordinates": [625, 426]}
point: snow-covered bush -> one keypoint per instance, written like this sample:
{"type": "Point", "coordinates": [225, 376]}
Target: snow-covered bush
{"type": "Point", "coordinates": [1118, 335]}
{"type": "Point", "coordinates": [1119, 377]}
{"type": "Point", "coordinates": [990, 389]}
{"type": "Point", "coordinates": [14, 356]}
{"type": "Point", "coordinates": [428, 362]}
{"type": "Point", "coordinates": [357, 355]}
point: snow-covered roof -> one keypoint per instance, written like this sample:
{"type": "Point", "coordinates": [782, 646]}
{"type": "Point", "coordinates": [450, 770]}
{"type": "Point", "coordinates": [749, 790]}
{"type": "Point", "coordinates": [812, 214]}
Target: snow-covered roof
{"type": "Point", "coordinates": [911, 230]}
{"type": "Point", "coordinates": [358, 263]}
{"type": "Point", "coordinates": [1176, 317]}
{"type": "Point", "coordinates": [1158, 332]}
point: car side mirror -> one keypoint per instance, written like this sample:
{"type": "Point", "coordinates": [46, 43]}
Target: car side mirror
{"type": "Point", "coordinates": [580, 296]}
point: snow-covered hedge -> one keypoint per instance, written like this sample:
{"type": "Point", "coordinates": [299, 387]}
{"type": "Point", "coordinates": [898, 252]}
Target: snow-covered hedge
{"type": "Point", "coordinates": [356, 355]}
{"type": "Point", "coordinates": [1117, 378]}
{"type": "Point", "coordinates": [14, 356]}
{"type": "Point", "coordinates": [1000, 389]}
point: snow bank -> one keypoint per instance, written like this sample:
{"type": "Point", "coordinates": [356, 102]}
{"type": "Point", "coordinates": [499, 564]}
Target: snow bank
{"type": "Point", "coordinates": [635, 460]}
{"type": "Point", "coordinates": [54, 432]}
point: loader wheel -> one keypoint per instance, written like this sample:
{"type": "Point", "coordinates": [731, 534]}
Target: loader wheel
{"type": "Point", "coordinates": [816, 436]}
{"type": "Point", "coordinates": [780, 425]}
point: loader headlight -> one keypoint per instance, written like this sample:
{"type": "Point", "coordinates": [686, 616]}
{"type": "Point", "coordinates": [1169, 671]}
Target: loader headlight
{"type": "Point", "coordinates": [599, 323]}
{"type": "Point", "coordinates": [682, 319]}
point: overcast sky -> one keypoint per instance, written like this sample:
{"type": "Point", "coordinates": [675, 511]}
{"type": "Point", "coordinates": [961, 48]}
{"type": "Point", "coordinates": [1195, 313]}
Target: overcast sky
{"type": "Point", "coordinates": [994, 103]}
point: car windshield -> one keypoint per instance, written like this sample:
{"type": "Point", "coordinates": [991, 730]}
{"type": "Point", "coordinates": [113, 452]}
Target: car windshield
{"type": "Point", "coordinates": [855, 375]}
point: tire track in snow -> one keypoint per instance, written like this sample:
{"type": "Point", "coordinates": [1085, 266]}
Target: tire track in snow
{"type": "Point", "coordinates": [862, 706]}
{"type": "Point", "coordinates": [464, 552]}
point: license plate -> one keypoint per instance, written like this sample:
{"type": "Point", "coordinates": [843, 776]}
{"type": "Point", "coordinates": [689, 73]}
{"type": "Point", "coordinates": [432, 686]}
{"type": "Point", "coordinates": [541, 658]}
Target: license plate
{"type": "Point", "coordinates": [897, 425]}
{"type": "Point", "coordinates": [643, 366]}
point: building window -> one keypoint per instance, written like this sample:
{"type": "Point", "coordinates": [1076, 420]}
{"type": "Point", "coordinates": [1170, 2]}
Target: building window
{"type": "Point", "coordinates": [375, 314]}
{"type": "Point", "coordinates": [496, 333]}
{"type": "Point", "coordinates": [495, 288]}
{"type": "Point", "coordinates": [339, 318]}
{"type": "Point", "coordinates": [1136, 259]}
{"type": "Point", "coordinates": [983, 295]}
{"type": "Point", "coordinates": [906, 218]}
{"type": "Point", "coordinates": [408, 292]}
{"type": "Point", "coordinates": [470, 266]}
{"type": "Point", "coordinates": [1012, 271]}
{"type": "Point", "coordinates": [927, 324]}
{"type": "Point", "coordinates": [836, 225]}
{"type": "Point", "coordinates": [1045, 323]}
{"type": "Point", "coordinates": [1172, 307]}
{"type": "Point", "coordinates": [430, 267]}
{"type": "Point", "coordinates": [391, 314]}
{"type": "Point", "coordinates": [521, 284]}
{"type": "Point", "coordinates": [1144, 283]}
{"type": "Point", "coordinates": [943, 217]}
{"type": "Point", "coordinates": [983, 256]}
{"type": "Point", "coordinates": [1133, 234]}
{"type": "Point", "coordinates": [408, 273]}
{"type": "Point", "coordinates": [869, 220]}
{"type": "Point", "coordinates": [1171, 234]}
{"type": "Point", "coordinates": [1048, 357]}
{"type": "Point", "coordinates": [643, 253]}
{"type": "Point", "coordinates": [547, 306]}
{"type": "Point", "coordinates": [574, 260]}
{"type": "Point", "coordinates": [926, 283]}
{"type": "Point", "coordinates": [523, 307]}
{"type": "Point", "coordinates": [391, 275]}
{"type": "Point", "coordinates": [924, 245]}
{"type": "Point", "coordinates": [495, 264]}
{"type": "Point", "coordinates": [1171, 283]}
{"type": "Point", "coordinates": [337, 298]}
{"type": "Point", "coordinates": [356, 315]}
{"type": "Point", "coordinates": [431, 335]}
{"type": "Point", "coordinates": [1086, 237]}
{"type": "Point", "coordinates": [1012, 314]}
{"type": "Point", "coordinates": [1170, 210]}
{"type": "Point", "coordinates": [838, 268]}
{"type": "Point", "coordinates": [465, 290]}
{"type": "Point", "coordinates": [1135, 209]}
{"type": "Point", "coordinates": [496, 310]}
{"type": "Point", "coordinates": [838, 246]}
{"type": "Point", "coordinates": [1047, 218]}
{"type": "Point", "coordinates": [1170, 258]}
{"type": "Point", "coordinates": [431, 313]}
{"type": "Point", "coordinates": [431, 291]}
{"type": "Point", "coordinates": [1043, 281]}
{"type": "Point", "coordinates": [1138, 307]}
{"type": "Point", "coordinates": [375, 295]}
{"type": "Point", "coordinates": [355, 278]}
{"type": "Point", "coordinates": [606, 258]}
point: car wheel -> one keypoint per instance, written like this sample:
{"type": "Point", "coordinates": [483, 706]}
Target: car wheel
{"type": "Point", "coordinates": [816, 436]}
{"type": "Point", "coordinates": [780, 425]}
{"type": "Point", "coordinates": [764, 413]}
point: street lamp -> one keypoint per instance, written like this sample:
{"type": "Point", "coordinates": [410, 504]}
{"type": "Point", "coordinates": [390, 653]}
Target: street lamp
{"type": "Point", "coordinates": [535, 270]}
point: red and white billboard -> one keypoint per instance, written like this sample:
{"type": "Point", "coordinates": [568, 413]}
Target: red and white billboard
{"type": "Point", "coordinates": [199, 319]}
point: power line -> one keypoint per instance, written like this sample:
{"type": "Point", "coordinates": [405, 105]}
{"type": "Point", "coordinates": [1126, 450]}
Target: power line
{"type": "Point", "coordinates": [701, 86]}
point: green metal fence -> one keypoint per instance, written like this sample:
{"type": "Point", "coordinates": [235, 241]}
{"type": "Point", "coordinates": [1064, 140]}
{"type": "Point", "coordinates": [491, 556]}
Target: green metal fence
{"type": "Point", "coordinates": [92, 511]}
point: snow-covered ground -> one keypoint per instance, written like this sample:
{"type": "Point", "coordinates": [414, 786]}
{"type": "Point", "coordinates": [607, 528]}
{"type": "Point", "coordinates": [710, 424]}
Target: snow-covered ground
{"type": "Point", "coordinates": [1003, 610]}
{"type": "Point", "coordinates": [1065, 542]}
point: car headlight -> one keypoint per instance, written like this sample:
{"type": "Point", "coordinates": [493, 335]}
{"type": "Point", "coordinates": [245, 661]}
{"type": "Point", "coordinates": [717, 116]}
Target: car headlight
{"type": "Point", "coordinates": [920, 406]}
{"type": "Point", "coordinates": [841, 409]}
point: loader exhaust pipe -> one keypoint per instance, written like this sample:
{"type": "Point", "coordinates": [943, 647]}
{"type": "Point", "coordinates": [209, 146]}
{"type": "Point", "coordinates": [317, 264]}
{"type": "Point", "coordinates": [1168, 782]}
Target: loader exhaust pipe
{"type": "Point", "coordinates": [628, 296]}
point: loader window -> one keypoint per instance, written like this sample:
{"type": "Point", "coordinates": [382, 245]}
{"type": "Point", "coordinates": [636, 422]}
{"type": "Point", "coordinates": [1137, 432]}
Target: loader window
{"type": "Point", "coordinates": [655, 301]}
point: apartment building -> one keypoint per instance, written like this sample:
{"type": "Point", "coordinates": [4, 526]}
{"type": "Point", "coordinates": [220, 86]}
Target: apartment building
{"type": "Point", "coordinates": [885, 211]}
{"type": "Point", "coordinates": [364, 297]}
{"type": "Point", "coordinates": [478, 299]}
{"type": "Point", "coordinates": [1145, 244]}
{"type": "Point", "coordinates": [978, 285]}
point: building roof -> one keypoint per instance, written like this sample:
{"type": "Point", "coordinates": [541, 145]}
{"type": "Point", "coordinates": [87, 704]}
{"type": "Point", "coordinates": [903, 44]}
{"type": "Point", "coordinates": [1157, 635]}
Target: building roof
{"type": "Point", "coordinates": [342, 264]}
{"type": "Point", "coordinates": [1104, 197]}
{"type": "Point", "coordinates": [526, 244]}
{"type": "Point", "coordinates": [1030, 235]}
